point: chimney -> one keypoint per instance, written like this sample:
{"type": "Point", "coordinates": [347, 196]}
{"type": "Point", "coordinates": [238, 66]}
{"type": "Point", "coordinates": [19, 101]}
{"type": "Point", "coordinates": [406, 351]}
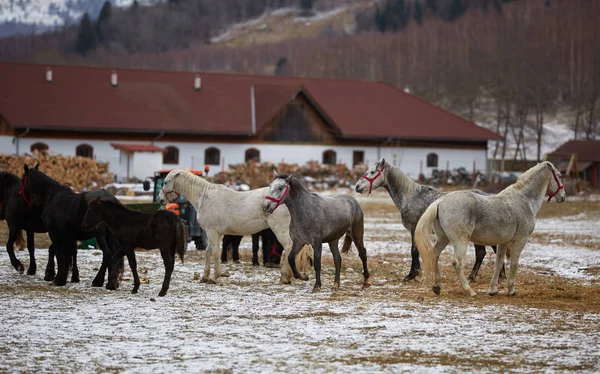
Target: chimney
{"type": "Point", "coordinates": [48, 75]}
{"type": "Point", "coordinates": [197, 82]}
{"type": "Point", "coordinates": [407, 89]}
{"type": "Point", "coordinates": [113, 79]}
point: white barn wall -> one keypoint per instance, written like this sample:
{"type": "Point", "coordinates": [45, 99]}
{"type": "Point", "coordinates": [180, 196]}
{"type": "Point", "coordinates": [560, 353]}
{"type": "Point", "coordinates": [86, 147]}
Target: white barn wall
{"type": "Point", "coordinates": [191, 155]}
{"type": "Point", "coordinates": [145, 164]}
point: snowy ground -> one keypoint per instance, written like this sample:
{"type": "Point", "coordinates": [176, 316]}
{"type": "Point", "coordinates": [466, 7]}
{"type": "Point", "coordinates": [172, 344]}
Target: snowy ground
{"type": "Point", "coordinates": [250, 323]}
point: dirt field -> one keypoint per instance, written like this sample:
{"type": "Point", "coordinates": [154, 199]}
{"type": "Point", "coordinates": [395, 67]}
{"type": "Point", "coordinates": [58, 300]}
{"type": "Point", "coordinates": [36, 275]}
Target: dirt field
{"type": "Point", "coordinates": [250, 323]}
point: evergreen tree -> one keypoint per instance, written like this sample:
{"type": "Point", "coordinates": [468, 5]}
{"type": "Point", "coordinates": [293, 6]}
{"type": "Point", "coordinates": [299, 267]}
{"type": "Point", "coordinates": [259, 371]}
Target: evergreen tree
{"type": "Point", "coordinates": [103, 17]}
{"type": "Point", "coordinates": [306, 6]}
{"type": "Point", "coordinates": [379, 20]}
{"type": "Point", "coordinates": [86, 39]}
{"type": "Point", "coordinates": [432, 5]}
{"type": "Point", "coordinates": [281, 66]}
{"type": "Point", "coordinates": [457, 8]}
{"type": "Point", "coordinates": [497, 5]}
{"type": "Point", "coordinates": [418, 14]}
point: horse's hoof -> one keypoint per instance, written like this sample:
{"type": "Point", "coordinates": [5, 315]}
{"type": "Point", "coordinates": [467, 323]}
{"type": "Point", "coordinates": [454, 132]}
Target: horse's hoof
{"type": "Point", "coordinates": [285, 281]}
{"type": "Point", "coordinates": [20, 268]}
{"type": "Point", "coordinates": [31, 272]}
{"type": "Point", "coordinates": [162, 293]}
{"type": "Point", "coordinates": [437, 290]}
{"type": "Point", "coordinates": [223, 261]}
{"type": "Point", "coordinates": [412, 276]}
{"type": "Point", "coordinates": [211, 281]}
{"type": "Point", "coordinates": [512, 293]}
{"type": "Point", "coordinates": [59, 284]}
{"type": "Point", "coordinates": [97, 283]}
{"type": "Point", "coordinates": [111, 286]}
{"type": "Point", "coordinates": [472, 293]}
{"type": "Point", "coordinates": [255, 264]}
{"type": "Point", "coordinates": [204, 280]}
{"type": "Point", "coordinates": [366, 285]}
{"type": "Point", "coordinates": [225, 274]}
{"type": "Point", "coordinates": [48, 277]}
{"type": "Point", "coordinates": [236, 261]}
{"type": "Point", "coordinates": [304, 277]}
{"type": "Point", "coordinates": [134, 291]}
{"type": "Point", "coordinates": [75, 280]}
{"type": "Point", "coordinates": [492, 293]}
{"type": "Point", "coordinates": [336, 286]}
{"type": "Point", "coordinates": [316, 289]}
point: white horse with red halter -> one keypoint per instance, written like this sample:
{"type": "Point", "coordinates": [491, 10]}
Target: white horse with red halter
{"type": "Point", "coordinates": [222, 211]}
{"type": "Point", "coordinates": [506, 219]}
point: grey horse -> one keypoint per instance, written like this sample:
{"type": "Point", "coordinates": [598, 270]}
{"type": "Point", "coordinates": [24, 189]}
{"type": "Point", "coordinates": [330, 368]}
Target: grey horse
{"type": "Point", "coordinates": [411, 199]}
{"type": "Point", "coordinates": [507, 218]}
{"type": "Point", "coordinates": [316, 219]}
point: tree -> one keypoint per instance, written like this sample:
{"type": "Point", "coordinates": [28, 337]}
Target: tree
{"type": "Point", "coordinates": [418, 14]}
{"type": "Point", "coordinates": [306, 6]}
{"type": "Point", "coordinates": [281, 66]}
{"type": "Point", "coordinates": [86, 39]}
{"type": "Point", "coordinates": [432, 5]}
{"type": "Point", "coordinates": [457, 8]}
{"type": "Point", "coordinates": [103, 17]}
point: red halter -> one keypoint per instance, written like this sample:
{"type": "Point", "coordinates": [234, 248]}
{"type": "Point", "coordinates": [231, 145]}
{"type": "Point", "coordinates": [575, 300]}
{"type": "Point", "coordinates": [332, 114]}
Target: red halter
{"type": "Point", "coordinates": [167, 195]}
{"type": "Point", "coordinates": [560, 186]}
{"type": "Point", "coordinates": [280, 200]}
{"type": "Point", "coordinates": [22, 191]}
{"type": "Point", "coordinates": [371, 180]}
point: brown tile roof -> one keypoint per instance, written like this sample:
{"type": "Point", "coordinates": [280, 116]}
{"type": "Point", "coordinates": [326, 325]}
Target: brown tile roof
{"type": "Point", "coordinates": [81, 98]}
{"type": "Point", "coordinates": [138, 147]}
{"type": "Point", "coordinates": [586, 150]}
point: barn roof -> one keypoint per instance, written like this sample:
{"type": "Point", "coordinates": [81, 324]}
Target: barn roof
{"type": "Point", "coordinates": [126, 147]}
{"type": "Point", "coordinates": [586, 150]}
{"type": "Point", "coordinates": [82, 98]}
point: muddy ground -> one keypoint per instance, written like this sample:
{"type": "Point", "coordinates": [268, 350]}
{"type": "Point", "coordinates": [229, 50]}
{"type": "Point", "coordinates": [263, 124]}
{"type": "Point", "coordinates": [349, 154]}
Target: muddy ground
{"type": "Point", "coordinates": [250, 323]}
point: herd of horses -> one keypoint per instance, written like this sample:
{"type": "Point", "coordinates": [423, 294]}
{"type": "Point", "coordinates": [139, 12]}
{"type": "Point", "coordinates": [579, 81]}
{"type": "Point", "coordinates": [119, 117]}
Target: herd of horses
{"type": "Point", "coordinates": [285, 214]}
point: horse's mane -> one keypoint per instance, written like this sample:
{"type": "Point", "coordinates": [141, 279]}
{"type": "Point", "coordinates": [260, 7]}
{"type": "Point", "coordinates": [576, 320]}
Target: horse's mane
{"type": "Point", "coordinates": [295, 184]}
{"type": "Point", "coordinates": [397, 178]}
{"type": "Point", "coordinates": [528, 178]}
{"type": "Point", "coordinates": [8, 180]}
{"type": "Point", "coordinates": [116, 205]}
{"type": "Point", "coordinates": [42, 182]}
{"type": "Point", "coordinates": [197, 184]}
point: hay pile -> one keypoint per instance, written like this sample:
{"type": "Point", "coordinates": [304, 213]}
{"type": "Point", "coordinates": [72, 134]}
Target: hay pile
{"type": "Point", "coordinates": [317, 175]}
{"type": "Point", "coordinates": [80, 173]}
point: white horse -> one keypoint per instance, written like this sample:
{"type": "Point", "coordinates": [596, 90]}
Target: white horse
{"type": "Point", "coordinates": [506, 219]}
{"type": "Point", "coordinates": [222, 211]}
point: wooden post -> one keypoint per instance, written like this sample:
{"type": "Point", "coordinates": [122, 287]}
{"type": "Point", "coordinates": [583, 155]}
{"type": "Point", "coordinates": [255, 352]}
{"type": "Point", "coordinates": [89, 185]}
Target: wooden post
{"type": "Point", "coordinates": [447, 172]}
{"type": "Point", "coordinates": [223, 170]}
{"type": "Point", "coordinates": [421, 175]}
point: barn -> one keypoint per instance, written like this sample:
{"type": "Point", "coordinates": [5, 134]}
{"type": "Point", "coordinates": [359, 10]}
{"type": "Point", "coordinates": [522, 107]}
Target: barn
{"type": "Point", "coordinates": [143, 120]}
{"type": "Point", "coordinates": [580, 155]}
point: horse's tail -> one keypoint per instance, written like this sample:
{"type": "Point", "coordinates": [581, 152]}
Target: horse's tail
{"type": "Point", "coordinates": [304, 259]}
{"type": "Point", "coordinates": [180, 240]}
{"type": "Point", "coordinates": [20, 242]}
{"type": "Point", "coordinates": [422, 236]}
{"type": "Point", "coordinates": [347, 244]}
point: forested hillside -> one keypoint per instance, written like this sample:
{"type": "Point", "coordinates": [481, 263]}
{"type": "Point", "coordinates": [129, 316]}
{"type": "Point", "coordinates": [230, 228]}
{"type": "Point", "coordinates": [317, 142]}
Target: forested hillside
{"type": "Point", "coordinates": [513, 64]}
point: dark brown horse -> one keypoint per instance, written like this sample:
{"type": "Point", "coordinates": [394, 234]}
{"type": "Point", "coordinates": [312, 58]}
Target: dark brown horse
{"type": "Point", "coordinates": [133, 229]}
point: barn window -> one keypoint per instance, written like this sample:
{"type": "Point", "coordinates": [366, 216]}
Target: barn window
{"type": "Point", "coordinates": [432, 160]}
{"type": "Point", "coordinates": [171, 156]}
{"type": "Point", "coordinates": [358, 157]}
{"type": "Point", "coordinates": [84, 150]}
{"type": "Point", "coordinates": [329, 157]}
{"type": "Point", "coordinates": [252, 154]}
{"type": "Point", "coordinates": [212, 156]}
{"type": "Point", "coordinates": [40, 147]}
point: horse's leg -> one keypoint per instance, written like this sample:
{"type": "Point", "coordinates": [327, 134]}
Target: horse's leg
{"type": "Point", "coordinates": [255, 238]}
{"type": "Point", "coordinates": [318, 248]}
{"type": "Point", "coordinates": [12, 238]}
{"type": "Point", "coordinates": [106, 260]}
{"type": "Point", "coordinates": [460, 250]}
{"type": "Point", "coordinates": [440, 243]}
{"type": "Point", "coordinates": [479, 256]}
{"type": "Point", "coordinates": [415, 265]}
{"type": "Point", "coordinates": [168, 256]}
{"type": "Point", "coordinates": [31, 248]}
{"type": "Point", "coordinates": [286, 241]}
{"type": "Point", "coordinates": [50, 273]}
{"type": "Point", "coordinates": [212, 243]}
{"type": "Point", "coordinates": [267, 243]}
{"type": "Point", "coordinates": [236, 248]}
{"type": "Point", "coordinates": [63, 252]}
{"type": "Point", "coordinates": [115, 263]}
{"type": "Point", "coordinates": [501, 252]}
{"type": "Point", "coordinates": [133, 266]}
{"type": "Point", "coordinates": [75, 271]}
{"type": "Point", "coordinates": [515, 253]}
{"type": "Point", "coordinates": [337, 260]}
{"type": "Point", "coordinates": [225, 249]}
{"type": "Point", "coordinates": [292, 261]}
{"type": "Point", "coordinates": [503, 271]}
{"type": "Point", "coordinates": [358, 239]}
{"type": "Point", "coordinates": [217, 260]}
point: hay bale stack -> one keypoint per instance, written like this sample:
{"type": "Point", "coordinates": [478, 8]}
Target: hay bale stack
{"type": "Point", "coordinates": [80, 173]}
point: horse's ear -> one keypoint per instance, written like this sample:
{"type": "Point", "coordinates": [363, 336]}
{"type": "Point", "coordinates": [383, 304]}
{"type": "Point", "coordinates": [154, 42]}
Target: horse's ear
{"type": "Point", "coordinates": [36, 166]}
{"type": "Point", "coordinates": [275, 173]}
{"type": "Point", "coordinates": [289, 178]}
{"type": "Point", "coordinates": [98, 200]}
{"type": "Point", "coordinates": [381, 163]}
{"type": "Point", "coordinates": [26, 169]}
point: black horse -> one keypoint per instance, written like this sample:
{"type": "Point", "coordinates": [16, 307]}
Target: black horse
{"type": "Point", "coordinates": [19, 216]}
{"type": "Point", "coordinates": [271, 247]}
{"type": "Point", "coordinates": [62, 213]}
{"type": "Point", "coordinates": [161, 229]}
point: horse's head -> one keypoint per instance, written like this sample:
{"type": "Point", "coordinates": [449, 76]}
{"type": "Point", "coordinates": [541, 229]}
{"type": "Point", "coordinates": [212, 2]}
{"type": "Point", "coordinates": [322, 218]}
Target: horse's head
{"type": "Point", "coordinates": [372, 179]}
{"type": "Point", "coordinates": [278, 192]}
{"type": "Point", "coordinates": [555, 189]}
{"type": "Point", "coordinates": [93, 216]}
{"type": "Point", "coordinates": [168, 194]}
{"type": "Point", "coordinates": [28, 190]}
